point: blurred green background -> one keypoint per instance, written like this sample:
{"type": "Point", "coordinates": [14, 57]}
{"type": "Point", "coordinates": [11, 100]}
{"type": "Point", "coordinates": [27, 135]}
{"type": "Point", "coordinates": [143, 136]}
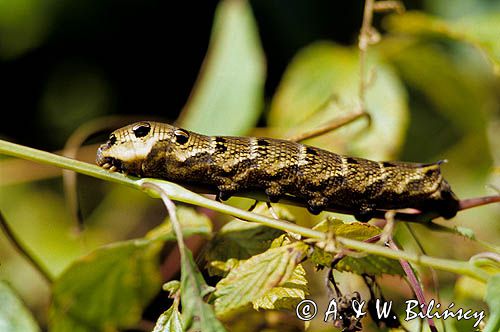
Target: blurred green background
{"type": "Point", "coordinates": [273, 65]}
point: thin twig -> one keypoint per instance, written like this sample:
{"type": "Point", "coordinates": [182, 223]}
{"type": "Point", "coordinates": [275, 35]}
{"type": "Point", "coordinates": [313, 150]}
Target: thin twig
{"type": "Point", "coordinates": [329, 126]}
{"type": "Point", "coordinates": [363, 43]}
{"type": "Point", "coordinates": [387, 6]}
{"type": "Point", "coordinates": [44, 272]}
{"type": "Point", "coordinates": [171, 212]}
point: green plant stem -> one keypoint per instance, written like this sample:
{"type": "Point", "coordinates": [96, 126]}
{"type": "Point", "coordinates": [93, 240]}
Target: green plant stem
{"type": "Point", "coordinates": [455, 266]}
{"type": "Point", "coordinates": [179, 193]}
{"type": "Point", "coordinates": [52, 159]}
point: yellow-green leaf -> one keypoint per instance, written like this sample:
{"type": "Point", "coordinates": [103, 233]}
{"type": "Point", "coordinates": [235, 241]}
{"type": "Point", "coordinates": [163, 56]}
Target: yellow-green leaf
{"type": "Point", "coordinates": [370, 264]}
{"type": "Point", "coordinates": [287, 295]}
{"type": "Point", "coordinates": [239, 240]}
{"type": "Point", "coordinates": [356, 230]}
{"type": "Point", "coordinates": [256, 276]}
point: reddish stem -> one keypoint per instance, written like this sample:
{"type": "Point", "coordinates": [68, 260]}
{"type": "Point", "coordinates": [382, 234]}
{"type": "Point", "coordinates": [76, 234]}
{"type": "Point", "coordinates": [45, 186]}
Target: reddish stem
{"type": "Point", "coordinates": [415, 285]}
{"type": "Point", "coordinates": [468, 203]}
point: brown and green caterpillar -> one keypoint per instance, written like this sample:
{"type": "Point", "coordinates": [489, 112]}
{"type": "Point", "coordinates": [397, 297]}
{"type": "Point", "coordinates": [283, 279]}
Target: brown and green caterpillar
{"type": "Point", "coordinates": [234, 164]}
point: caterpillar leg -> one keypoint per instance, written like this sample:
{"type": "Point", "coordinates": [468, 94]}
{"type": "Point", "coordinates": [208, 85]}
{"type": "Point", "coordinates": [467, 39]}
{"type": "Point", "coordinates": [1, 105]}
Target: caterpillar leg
{"type": "Point", "coordinates": [364, 214]}
{"type": "Point", "coordinates": [317, 205]}
{"type": "Point", "coordinates": [273, 213]}
{"type": "Point", "coordinates": [274, 191]}
{"type": "Point", "coordinates": [226, 191]}
{"type": "Point", "coordinates": [252, 207]}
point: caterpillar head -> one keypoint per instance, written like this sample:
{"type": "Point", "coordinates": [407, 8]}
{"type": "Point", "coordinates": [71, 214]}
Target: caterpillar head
{"type": "Point", "coordinates": [129, 147]}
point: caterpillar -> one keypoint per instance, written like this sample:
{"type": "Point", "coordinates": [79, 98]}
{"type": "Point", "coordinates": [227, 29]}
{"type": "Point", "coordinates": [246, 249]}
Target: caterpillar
{"type": "Point", "coordinates": [318, 177]}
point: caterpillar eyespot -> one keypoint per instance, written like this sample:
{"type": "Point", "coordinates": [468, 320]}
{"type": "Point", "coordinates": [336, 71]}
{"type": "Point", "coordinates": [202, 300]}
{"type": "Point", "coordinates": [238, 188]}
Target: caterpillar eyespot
{"type": "Point", "coordinates": [318, 177]}
{"type": "Point", "coordinates": [181, 136]}
{"type": "Point", "coordinates": [141, 129]}
{"type": "Point", "coordinates": [112, 139]}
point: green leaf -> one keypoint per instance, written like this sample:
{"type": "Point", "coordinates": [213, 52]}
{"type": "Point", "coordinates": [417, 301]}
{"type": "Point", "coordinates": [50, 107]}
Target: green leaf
{"type": "Point", "coordinates": [111, 286]}
{"type": "Point", "coordinates": [256, 276]}
{"type": "Point", "coordinates": [193, 289]}
{"type": "Point", "coordinates": [493, 299]}
{"type": "Point", "coordinates": [108, 288]}
{"type": "Point", "coordinates": [239, 240]}
{"type": "Point", "coordinates": [325, 71]}
{"type": "Point", "coordinates": [286, 296]}
{"type": "Point", "coordinates": [356, 230]}
{"type": "Point", "coordinates": [192, 222]}
{"type": "Point", "coordinates": [370, 264]}
{"type": "Point", "coordinates": [172, 286]}
{"type": "Point", "coordinates": [169, 321]}
{"type": "Point", "coordinates": [14, 316]}
{"type": "Point", "coordinates": [482, 31]}
{"type": "Point", "coordinates": [228, 96]}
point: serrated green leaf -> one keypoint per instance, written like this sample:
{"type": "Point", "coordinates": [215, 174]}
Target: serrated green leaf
{"type": "Point", "coordinates": [482, 31]}
{"type": "Point", "coordinates": [192, 222]}
{"type": "Point", "coordinates": [169, 321]}
{"type": "Point", "coordinates": [336, 227]}
{"type": "Point", "coordinates": [228, 96]}
{"type": "Point", "coordinates": [323, 71]}
{"type": "Point", "coordinates": [493, 299]}
{"type": "Point", "coordinates": [108, 288]}
{"type": "Point", "coordinates": [256, 276]}
{"type": "Point", "coordinates": [356, 230]}
{"type": "Point", "coordinates": [287, 295]}
{"type": "Point", "coordinates": [193, 288]}
{"type": "Point", "coordinates": [14, 316]}
{"type": "Point", "coordinates": [370, 264]}
{"type": "Point", "coordinates": [239, 240]}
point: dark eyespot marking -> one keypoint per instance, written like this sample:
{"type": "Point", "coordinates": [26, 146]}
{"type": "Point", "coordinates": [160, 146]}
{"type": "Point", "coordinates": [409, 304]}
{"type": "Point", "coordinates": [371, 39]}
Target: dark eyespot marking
{"type": "Point", "coordinates": [112, 139]}
{"type": "Point", "coordinates": [221, 148]}
{"type": "Point", "coordinates": [141, 129]}
{"type": "Point", "coordinates": [181, 136]}
{"type": "Point", "coordinates": [431, 172]}
{"type": "Point", "coordinates": [388, 164]}
{"type": "Point", "coordinates": [351, 160]}
{"type": "Point", "coordinates": [220, 140]}
{"type": "Point", "coordinates": [263, 142]}
{"type": "Point", "coordinates": [311, 151]}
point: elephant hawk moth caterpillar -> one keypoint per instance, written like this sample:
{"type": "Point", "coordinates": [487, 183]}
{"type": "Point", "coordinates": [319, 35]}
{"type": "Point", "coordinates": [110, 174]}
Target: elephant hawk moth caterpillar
{"type": "Point", "coordinates": [318, 177]}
